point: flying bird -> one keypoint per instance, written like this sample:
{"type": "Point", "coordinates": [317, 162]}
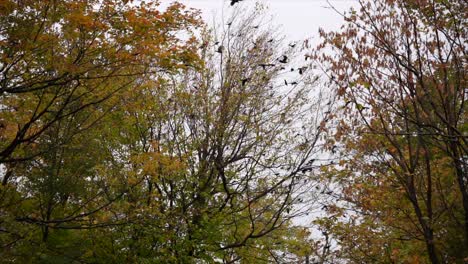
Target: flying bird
{"type": "Point", "coordinates": [302, 70]}
{"type": "Point", "coordinates": [264, 65]}
{"type": "Point", "coordinates": [284, 59]}
{"type": "Point", "coordinates": [233, 2]}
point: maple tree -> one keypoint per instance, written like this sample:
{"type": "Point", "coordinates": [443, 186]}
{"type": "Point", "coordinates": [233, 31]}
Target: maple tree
{"type": "Point", "coordinates": [399, 67]}
{"type": "Point", "coordinates": [59, 57]}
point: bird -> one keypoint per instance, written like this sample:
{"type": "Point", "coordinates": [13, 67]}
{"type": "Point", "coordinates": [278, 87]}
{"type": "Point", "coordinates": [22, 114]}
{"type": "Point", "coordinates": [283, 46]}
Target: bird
{"type": "Point", "coordinates": [256, 27]}
{"type": "Point", "coordinates": [271, 40]}
{"type": "Point", "coordinates": [220, 49]}
{"type": "Point", "coordinates": [233, 2]}
{"type": "Point", "coordinates": [229, 24]}
{"type": "Point", "coordinates": [284, 59]}
{"type": "Point", "coordinates": [264, 65]}
{"type": "Point", "coordinates": [292, 45]}
{"type": "Point", "coordinates": [302, 70]}
{"type": "Point", "coordinates": [294, 83]}
{"type": "Point", "coordinates": [285, 82]}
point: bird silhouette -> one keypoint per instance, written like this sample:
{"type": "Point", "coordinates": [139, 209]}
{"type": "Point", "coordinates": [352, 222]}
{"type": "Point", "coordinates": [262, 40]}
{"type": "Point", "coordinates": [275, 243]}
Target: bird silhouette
{"type": "Point", "coordinates": [285, 82]}
{"type": "Point", "coordinates": [302, 70]}
{"type": "Point", "coordinates": [220, 49]}
{"type": "Point", "coordinates": [284, 59]}
{"type": "Point", "coordinates": [264, 65]}
{"type": "Point", "coordinates": [233, 2]}
{"type": "Point", "coordinates": [294, 83]}
{"type": "Point", "coordinates": [292, 45]}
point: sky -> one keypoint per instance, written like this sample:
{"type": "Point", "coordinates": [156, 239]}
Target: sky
{"type": "Point", "coordinates": [298, 19]}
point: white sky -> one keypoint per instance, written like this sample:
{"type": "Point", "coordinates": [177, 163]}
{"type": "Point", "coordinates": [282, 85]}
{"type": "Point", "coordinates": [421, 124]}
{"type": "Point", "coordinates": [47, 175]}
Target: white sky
{"type": "Point", "coordinates": [298, 19]}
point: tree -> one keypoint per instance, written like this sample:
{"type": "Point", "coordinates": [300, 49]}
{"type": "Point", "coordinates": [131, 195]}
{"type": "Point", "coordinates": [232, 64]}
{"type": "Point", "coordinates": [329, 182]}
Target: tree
{"type": "Point", "coordinates": [65, 65]}
{"type": "Point", "coordinates": [59, 57]}
{"type": "Point", "coordinates": [399, 67]}
{"type": "Point", "coordinates": [189, 152]}
{"type": "Point", "coordinates": [216, 154]}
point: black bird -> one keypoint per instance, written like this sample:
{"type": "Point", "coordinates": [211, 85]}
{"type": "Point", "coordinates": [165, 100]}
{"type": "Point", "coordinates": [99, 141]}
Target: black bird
{"type": "Point", "coordinates": [220, 49]}
{"type": "Point", "coordinates": [229, 24]}
{"type": "Point", "coordinates": [271, 40]}
{"type": "Point", "coordinates": [233, 2]}
{"type": "Point", "coordinates": [283, 59]}
{"type": "Point", "coordinates": [285, 82]}
{"type": "Point", "coordinates": [264, 65]}
{"type": "Point", "coordinates": [292, 45]}
{"type": "Point", "coordinates": [302, 70]}
{"type": "Point", "coordinates": [294, 83]}
{"type": "Point", "coordinates": [256, 27]}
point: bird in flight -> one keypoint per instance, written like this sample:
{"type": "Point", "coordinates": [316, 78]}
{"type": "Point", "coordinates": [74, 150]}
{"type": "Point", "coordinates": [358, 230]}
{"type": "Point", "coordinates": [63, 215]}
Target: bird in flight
{"type": "Point", "coordinates": [233, 2]}
{"type": "Point", "coordinates": [283, 59]}
{"type": "Point", "coordinates": [264, 65]}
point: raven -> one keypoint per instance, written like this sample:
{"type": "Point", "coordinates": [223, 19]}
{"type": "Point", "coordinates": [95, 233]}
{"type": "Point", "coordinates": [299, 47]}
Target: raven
{"type": "Point", "coordinates": [233, 2]}
{"type": "Point", "coordinates": [283, 59]}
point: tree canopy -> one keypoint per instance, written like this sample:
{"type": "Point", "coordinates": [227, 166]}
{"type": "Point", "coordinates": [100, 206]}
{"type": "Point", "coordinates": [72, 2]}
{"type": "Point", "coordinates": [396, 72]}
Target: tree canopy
{"type": "Point", "coordinates": [132, 133]}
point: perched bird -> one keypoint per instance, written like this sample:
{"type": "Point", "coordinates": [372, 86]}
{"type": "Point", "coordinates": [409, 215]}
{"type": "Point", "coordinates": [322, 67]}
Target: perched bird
{"type": "Point", "coordinates": [233, 2]}
{"type": "Point", "coordinates": [285, 82]}
{"type": "Point", "coordinates": [292, 45]}
{"type": "Point", "coordinates": [256, 27]}
{"type": "Point", "coordinates": [229, 24]}
{"type": "Point", "coordinates": [220, 49]}
{"type": "Point", "coordinates": [271, 40]}
{"type": "Point", "coordinates": [284, 59]}
{"type": "Point", "coordinates": [294, 83]}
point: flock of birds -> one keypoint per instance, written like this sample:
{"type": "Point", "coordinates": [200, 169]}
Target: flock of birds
{"type": "Point", "coordinates": [283, 59]}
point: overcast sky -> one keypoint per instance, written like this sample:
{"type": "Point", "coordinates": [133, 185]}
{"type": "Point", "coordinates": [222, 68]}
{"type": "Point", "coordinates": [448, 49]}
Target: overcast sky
{"type": "Point", "coordinates": [299, 19]}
